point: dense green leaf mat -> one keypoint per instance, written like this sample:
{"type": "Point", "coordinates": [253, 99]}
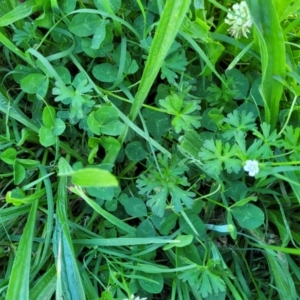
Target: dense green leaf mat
{"type": "Point", "coordinates": [149, 149]}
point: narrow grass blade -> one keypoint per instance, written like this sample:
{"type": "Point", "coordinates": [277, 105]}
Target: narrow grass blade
{"type": "Point", "coordinates": [20, 12]}
{"type": "Point", "coordinates": [108, 216]}
{"type": "Point", "coordinates": [7, 43]}
{"type": "Point", "coordinates": [272, 49]}
{"type": "Point", "coordinates": [166, 32]}
{"type": "Point", "coordinates": [69, 282]}
{"type": "Point", "coordinates": [124, 241]}
{"type": "Point", "coordinates": [18, 287]}
{"type": "Point", "coordinates": [45, 287]}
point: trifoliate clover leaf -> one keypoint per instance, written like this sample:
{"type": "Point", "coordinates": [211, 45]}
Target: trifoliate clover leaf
{"type": "Point", "coordinates": [175, 105]}
{"type": "Point", "coordinates": [237, 122]}
{"type": "Point", "coordinates": [216, 157]}
{"type": "Point", "coordinates": [159, 185]}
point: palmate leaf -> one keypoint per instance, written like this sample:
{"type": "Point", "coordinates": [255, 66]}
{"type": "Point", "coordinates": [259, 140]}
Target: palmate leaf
{"type": "Point", "coordinates": [237, 122]}
{"type": "Point", "coordinates": [217, 156]}
{"type": "Point", "coordinates": [203, 280]}
{"type": "Point", "coordinates": [158, 202]}
{"type": "Point", "coordinates": [175, 105]}
{"type": "Point", "coordinates": [158, 186]}
{"type": "Point", "coordinates": [27, 34]}
{"type": "Point", "coordinates": [179, 196]}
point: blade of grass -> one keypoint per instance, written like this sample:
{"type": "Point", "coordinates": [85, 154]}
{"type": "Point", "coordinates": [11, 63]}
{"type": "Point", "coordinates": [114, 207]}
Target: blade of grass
{"type": "Point", "coordinates": [7, 43]}
{"type": "Point", "coordinates": [45, 287]}
{"type": "Point", "coordinates": [123, 241]}
{"type": "Point", "coordinates": [69, 283]}
{"type": "Point", "coordinates": [18, 287]}
{"type": "Point", "coordinates": [272, 50]}
{"type": "Point", "coordinates": [111, 218]}
{"type": "Point", "coordinates": [19, 12]}
{"type": "Point", "coordinates": [166, 31]}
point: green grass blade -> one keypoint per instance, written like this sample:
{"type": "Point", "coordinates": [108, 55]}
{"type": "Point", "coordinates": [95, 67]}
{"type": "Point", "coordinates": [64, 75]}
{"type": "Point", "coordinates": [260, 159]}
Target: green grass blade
{"type": "Point", "coordinates": [20, 12]}
{"type": "Point", "coordinates": [7, 43]}
{"type": "Point", "coordinates": [166, 32]}
{"type": "Point", "coordinates": [272, 49]}
{"type": "Point", "coordinates": [18, 287]}
{"type": "Point", "coordinates": [45, 287]}
{"type": "Point", "coordinates": [69, 282]}
{"type": "Point", "coordinates": [117, 242]}
{"type": "Point", "coordinates": [108, 216]}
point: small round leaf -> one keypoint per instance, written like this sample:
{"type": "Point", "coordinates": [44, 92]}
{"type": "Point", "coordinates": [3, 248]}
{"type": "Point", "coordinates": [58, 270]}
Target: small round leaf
{"type": "Point", "coordinates": [153, 283]}
{"type": "Point", "coordinates": [135, 207]}
{"type": "Point", "coordinates": [145, 229]}
{"type": "Point", "coordinates": [32, 83]}
{"type": "Point", "coordinates": [84, 24]}
{"type": "Point", "coordinates": [135, 151]}
{"type": "Point", "coordinates": [248, 216]}
{"type": "Point", "coordinates": [58, 127]}
{"type": "Point", "coordinates": [105, 72]}
{"type": "Point", "coordinates": [47, 138]}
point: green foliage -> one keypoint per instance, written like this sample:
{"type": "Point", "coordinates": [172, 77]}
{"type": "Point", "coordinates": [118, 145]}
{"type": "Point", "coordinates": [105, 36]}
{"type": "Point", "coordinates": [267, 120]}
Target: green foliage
{"type": "Point", "coordinates": [159, 184]}
{"type": "Point", "coordinates": [216, 156]}
{"type": "Point", "coordinates": [204, 280]}
{"type": "Point", "coordinates": [79, 102]}
{"type": "Point", "coordinates": [236, 122]}
{"type": "Point", "coordinates": [175, 105]}
{"type": "Point", "coordinates": [105, 120]}
{"type": "Point", "coordinates": [146, 153]}
{"type": "Point", "coordinates": [53, 127]}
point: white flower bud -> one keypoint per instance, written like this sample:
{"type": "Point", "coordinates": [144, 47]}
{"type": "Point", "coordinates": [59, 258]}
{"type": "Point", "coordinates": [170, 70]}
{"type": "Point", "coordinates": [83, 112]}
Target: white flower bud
{"type": "Point", "coordinates": [240, 20]}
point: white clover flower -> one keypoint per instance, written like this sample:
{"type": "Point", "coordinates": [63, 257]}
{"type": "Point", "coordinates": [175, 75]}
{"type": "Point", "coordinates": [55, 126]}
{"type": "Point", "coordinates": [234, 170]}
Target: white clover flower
{"type": "Point", "coordinates": [132, 297]}
{"type": "Point", "coordinates": [240, 20]}
{"type": "Point", "coordinates": [251, 167]}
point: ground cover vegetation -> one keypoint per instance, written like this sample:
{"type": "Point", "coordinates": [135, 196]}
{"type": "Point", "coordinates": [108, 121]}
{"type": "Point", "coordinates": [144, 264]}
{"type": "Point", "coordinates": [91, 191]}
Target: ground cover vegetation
{"type": "Point", "coordinates": [149, 149]}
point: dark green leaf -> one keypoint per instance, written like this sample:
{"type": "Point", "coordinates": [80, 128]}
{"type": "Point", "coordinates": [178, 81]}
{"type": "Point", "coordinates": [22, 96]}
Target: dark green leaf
{"type": "Point", "coordinates": [248, 216]}
{"type": "Point", "coordinates": [135, 207]}
{"type": "Point", "coordinates": [105, 72]}
{"type": "Point", "coordinates": [153, 283]}
{"type": "Point", "coordinates": [145, 229]}
{"type": "Point", "coordinates": [135, 151]}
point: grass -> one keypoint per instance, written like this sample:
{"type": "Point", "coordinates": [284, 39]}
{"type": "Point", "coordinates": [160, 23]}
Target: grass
{"type": "Point", "coordinates": [126, 126]}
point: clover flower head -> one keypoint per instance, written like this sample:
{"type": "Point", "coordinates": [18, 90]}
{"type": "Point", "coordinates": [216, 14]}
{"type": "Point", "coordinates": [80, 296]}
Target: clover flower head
{"type": "Point", "coordinates": [132, 297]}
{"type": "Point", "coordinates": [240, 20]}
{"type": "Point", "coordinates": [251, 167]}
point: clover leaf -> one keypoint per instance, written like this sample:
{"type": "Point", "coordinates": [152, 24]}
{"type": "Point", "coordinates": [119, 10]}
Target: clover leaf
{"type": "Point", "coordinates": [105, 120]}
{"type": "Point", "coordinates": [53, 127]}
